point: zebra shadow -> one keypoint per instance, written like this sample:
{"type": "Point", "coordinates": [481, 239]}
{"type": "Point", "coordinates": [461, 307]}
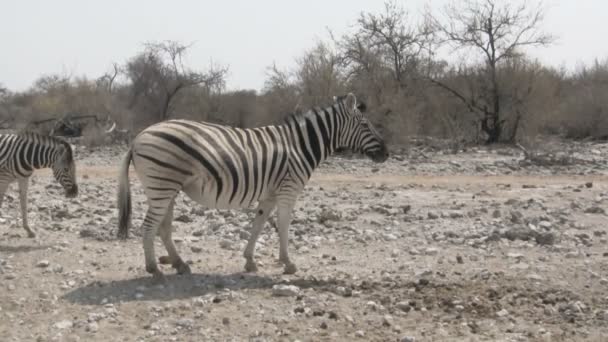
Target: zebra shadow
{"type": "Point", "coordinates": [180, 287]}
{"type": "Point", "coordinates": [22, 248]}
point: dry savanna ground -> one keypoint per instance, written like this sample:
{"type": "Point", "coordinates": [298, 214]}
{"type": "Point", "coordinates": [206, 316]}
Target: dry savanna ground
{"type": "Point", "coordinates": [483, 245]}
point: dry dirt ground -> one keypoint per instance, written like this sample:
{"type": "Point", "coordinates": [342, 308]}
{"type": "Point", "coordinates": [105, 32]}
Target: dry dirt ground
{"type": "Point", "coordinates": [430, 246]}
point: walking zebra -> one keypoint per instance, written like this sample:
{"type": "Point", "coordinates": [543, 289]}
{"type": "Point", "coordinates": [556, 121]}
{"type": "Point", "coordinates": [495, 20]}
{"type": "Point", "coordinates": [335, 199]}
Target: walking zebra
{"type": "Point", "coordinates": [21, 154]}
{"type": "Point", "coordinates": [225, 167]}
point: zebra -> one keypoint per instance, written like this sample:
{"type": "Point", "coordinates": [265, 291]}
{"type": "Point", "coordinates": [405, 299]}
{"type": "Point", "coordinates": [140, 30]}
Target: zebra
{"type": "Point", "coordinates": [22, 153]}
{"type": "Point", "coordinates": [226, 167]}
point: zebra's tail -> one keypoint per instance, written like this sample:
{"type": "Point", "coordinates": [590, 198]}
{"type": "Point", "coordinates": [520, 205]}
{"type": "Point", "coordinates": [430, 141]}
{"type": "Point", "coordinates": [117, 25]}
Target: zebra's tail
{"type": "Point", "coordinates": [124, 198]}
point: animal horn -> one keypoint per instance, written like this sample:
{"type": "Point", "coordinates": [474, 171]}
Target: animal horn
{"type": "Point", "coordinates": [112, 128]}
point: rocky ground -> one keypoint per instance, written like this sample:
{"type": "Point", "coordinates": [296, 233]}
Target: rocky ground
{"type": "Point", "coordinates": [483, 245]}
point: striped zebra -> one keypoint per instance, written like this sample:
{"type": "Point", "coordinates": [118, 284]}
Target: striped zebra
{"type": "Point", "coordinates": [21, 154]}
{"type": "Point", "coordinates": [226, 167]}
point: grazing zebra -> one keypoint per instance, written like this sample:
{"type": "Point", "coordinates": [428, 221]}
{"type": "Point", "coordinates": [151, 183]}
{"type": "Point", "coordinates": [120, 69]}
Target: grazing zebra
{"type": "Point", "coordinates": [226, 167]}
{"type": "Point", "coordinates": [21, 154]}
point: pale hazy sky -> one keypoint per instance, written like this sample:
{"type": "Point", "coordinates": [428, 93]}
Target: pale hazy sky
{"type": "Point", "coordinates": [84, 37]}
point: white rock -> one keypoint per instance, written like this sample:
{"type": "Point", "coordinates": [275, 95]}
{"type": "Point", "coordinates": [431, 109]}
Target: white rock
{"type": "Point", "coordinates": [65, 324]}
{"type": "Point", "coordinates": [92, 327]}
{"type": "Point", "coordinates": [431, 251]}
{"type": "Point", "coordinates": [502, 313]}
{"type": "Point", "coordinates": [282, 290]}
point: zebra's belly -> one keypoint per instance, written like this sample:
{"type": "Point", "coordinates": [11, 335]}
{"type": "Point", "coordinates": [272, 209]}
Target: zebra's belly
{"type": "Point", "coordinates": [209, 194]}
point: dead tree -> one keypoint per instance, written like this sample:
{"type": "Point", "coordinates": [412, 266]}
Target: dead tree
{"type": "Point", "coordinates": [496, 34]}
{"type": "Point", "coordinates": [158, 74]}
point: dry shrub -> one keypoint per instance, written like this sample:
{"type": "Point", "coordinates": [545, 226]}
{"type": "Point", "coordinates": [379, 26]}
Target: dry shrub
{"type": "Point", "coordinates": [93, 136]}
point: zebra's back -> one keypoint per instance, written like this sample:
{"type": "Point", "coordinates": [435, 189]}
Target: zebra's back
{"type": "Point", "coordinates": [217, 166]}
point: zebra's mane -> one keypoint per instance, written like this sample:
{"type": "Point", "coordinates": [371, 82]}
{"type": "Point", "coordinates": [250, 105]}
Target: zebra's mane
{"type": "Point", "coordinates": [313, 112]}
{"type": "Point", "coordinates": [48, 140]}
{"type": "Point", "coordinates": [299, 116]}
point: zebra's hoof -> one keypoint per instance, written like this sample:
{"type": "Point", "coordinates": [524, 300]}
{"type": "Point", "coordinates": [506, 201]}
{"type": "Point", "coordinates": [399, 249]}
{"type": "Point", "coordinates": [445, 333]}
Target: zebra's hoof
{"type": "Point", "coordinates": [182, 268]}
{"type": "Point", "coordinates": [290, 269]}
{"type": "Point", "coordinates": [158, 278]}
{"type": "Point", "coordinates": [164, 260]}
{"type": "Point", "coordinates": [250, 266]}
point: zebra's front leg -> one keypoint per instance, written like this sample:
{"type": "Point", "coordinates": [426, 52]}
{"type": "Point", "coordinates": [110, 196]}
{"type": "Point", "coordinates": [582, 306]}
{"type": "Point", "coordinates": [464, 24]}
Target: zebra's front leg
{"type": "Point", "coordinates": [165, 234]}
{"type": "Point", "coordinates": [23, 185]}
{"type": "Point", "coordinates": [263, 210]}
{"type": "Point", "coordinates": [284, 214]}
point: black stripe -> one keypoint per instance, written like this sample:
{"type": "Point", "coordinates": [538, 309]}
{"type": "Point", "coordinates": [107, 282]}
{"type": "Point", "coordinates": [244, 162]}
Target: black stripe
{"type": "Point", "coordinates": [241, 155]}
{"type": "Point", "coordinates": [161, 189]}
{"type": "Point", "coordinates": [36, 159]}
{"type": "Point", "coordinates": [264, 159]}
{"type": "Point", "coordinates": [256, 165]}
{"type": "Point", "coordinates": [163, 164]}
{"type": "Point", "coordinates": [166, 180]}
{"type": "Point", "coordinates": [314, 140]}
{"type": "Point", "coordinates": [325, 126]}
{"type": "Point", "coordinates": [212, 142]}
{"type": "Point", "coordinates": [160, 198]}
{"type": "Point", "coordinates": [29, 153]}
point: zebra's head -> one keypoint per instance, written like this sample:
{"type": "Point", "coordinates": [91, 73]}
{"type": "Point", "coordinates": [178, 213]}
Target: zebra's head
{"type": "Point", "coordinates": [64, 169]}
{"type": "Point", "coordinates": [359, 134]}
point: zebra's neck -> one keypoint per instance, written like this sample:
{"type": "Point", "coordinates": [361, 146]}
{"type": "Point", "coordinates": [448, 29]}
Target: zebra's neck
{"type": "Point", "coordinates": [38, 152]}
{"type": "Point", "coordinates": [314, 135]}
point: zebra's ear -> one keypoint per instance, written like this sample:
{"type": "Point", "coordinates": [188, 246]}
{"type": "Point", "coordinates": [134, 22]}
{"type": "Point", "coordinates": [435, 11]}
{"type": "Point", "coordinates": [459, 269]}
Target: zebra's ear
{"type": "Point", "coordinates": [362, 107]}
{"type": "Point", "coordinates": [350, 101]}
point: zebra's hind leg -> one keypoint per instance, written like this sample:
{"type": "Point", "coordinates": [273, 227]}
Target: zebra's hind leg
{"type": "Point", "coordinates": [3, 187]}
{"type": "Point", "coordinates": [154, 217]}
{"type": "Point", "coordinates": [285, 211]}
{"type": "Point", "coordinates": [165, 234]}
{"type": "Point", "coordinates": [263, 210]}
{"type": "Point", "coordinates": [23, 185]}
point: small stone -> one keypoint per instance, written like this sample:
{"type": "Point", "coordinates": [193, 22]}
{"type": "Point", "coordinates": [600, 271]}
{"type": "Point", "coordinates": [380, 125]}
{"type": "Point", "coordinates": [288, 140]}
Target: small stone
{"type": "Point", "coordinates": [225, 321]}
{"type": "Point", "coordinates": [196, 249]}
{"type": "Point", "coordinates": [459, 259]}
{"type": "Point", "coordinates": [92, 327]}
{"type": "Point", "coordinates": [359, 333]}
{"type": "Point", "coordinates": [226, 244]}
{"type": "Point", "coordinates": [43, 263]}
{"type": "Point", "coordinates": [323, 325]}
{"type": "Point", "coordinates": [387, 320]}
{"type": "Point", "coordinates": [502, 313]}
{"type": "Point", "coordinates": [184, 323]}
{"type": "Point", "coordinates": [281, 290]}
{"type": "Point", "coordinates": [431, 251]}
{"type": "Point", "coordinates": [65, 324]}
{"type": "Point", "coordinates": [404, 306]}
{"type": "Point", "coordinates": [595, 210]}
{"type": "Point", "coordinates": [407, 339]}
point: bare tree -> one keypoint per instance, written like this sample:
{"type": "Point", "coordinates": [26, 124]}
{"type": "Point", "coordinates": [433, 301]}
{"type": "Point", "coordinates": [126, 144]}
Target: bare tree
{"type": "Point", "coordinates": [387, 39]}
{"type": "Point", "coordinates": [107, 80]}
{"type": "Point", "coordinates": [318, 75]}
{"type": "Point", "coordinates": [497, 34]}
{"type": "Point", "coordinates": [158, 74]}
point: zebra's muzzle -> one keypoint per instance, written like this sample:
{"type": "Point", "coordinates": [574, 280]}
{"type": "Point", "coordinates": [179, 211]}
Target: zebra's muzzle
{"type": "Point", "coordinates": [379, 156]}
{"type": "Point", "coordinates": [71, 192]}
